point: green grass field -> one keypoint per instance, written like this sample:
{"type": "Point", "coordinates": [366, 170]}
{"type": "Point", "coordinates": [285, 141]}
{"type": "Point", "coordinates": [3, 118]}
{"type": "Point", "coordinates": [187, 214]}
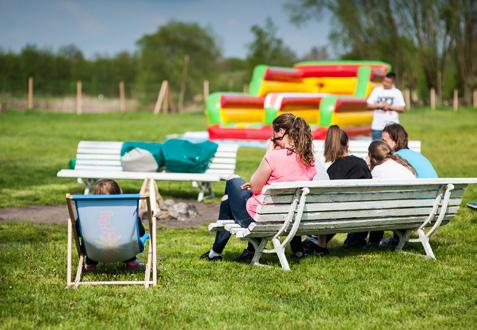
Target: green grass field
{"type": "Point", "coordinates": [348, 289]}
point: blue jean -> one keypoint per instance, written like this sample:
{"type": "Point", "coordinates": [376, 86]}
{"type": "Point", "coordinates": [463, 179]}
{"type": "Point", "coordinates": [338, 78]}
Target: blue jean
{"type": "Point", "coordinates": [376, 134]}
{"type": "Point", "coordinates": [233, 208]}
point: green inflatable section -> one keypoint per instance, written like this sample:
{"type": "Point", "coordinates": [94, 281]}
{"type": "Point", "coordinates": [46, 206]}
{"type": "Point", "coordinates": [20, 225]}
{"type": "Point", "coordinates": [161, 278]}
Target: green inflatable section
{"type": "Point", "coordinates": [327, 107]}
{"type": "Point", "coordinates": [270, 115]}
{"type": "Point", "coordinates": [364, 74]}
{"type": "Point", "coordinates": [213, 108]}
{"type": "Point", "coordinates": [257, 78]}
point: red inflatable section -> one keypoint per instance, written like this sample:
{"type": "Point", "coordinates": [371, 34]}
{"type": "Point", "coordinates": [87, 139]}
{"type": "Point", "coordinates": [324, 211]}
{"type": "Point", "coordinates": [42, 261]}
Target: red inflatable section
{"type": "Point", "coordinates": [377, 75]}
{"type": "Point", "coordinates": [347, 105]}
{"type": "Point", "coordinates": [241, 101]}
{"type": "Point", "coordinates": [301, 101]}
{"type": "Point", "coordinates": [283, 75]}
{"type": "Point", "coordinates": [217, 133]}
{"type": "Point", "coordinates": [264, 133]}
{"type": "Point", "coordinates": [310, 70]}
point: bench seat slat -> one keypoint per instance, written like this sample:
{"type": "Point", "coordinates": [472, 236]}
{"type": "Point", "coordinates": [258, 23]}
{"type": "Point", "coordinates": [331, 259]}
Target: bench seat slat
{"type": "Point", "coordinates": [95, 174]}
{"type": "Point", "coordinates": [220, 224]}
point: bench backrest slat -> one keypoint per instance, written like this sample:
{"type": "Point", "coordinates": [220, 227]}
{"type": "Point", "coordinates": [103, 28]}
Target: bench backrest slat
{"type": "Point", "coordinates": [359, 196]}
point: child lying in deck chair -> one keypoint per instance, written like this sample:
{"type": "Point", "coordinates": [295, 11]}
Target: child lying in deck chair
{"type": "Point", "coordinates": [111, 187]}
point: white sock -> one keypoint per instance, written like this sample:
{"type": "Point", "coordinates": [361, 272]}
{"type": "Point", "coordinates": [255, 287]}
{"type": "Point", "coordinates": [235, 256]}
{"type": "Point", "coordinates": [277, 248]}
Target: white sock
{"type": "Point", "coordinates": [213, 254]}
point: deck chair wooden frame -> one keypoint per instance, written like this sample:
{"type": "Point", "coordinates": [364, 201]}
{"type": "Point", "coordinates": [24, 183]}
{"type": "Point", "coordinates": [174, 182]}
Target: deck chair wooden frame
{"type": "Point", "coordinates": [151, 265]}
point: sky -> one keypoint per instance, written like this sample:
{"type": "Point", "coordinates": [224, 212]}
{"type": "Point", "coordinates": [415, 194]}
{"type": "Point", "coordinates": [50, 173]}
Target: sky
{"type": "Point", "coordinates": [107, 27]}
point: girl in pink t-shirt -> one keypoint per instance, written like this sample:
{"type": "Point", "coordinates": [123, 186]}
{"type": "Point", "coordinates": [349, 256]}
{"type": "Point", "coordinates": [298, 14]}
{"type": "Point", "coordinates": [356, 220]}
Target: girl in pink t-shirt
{"type": "Point", "coordinates": [289, 157]}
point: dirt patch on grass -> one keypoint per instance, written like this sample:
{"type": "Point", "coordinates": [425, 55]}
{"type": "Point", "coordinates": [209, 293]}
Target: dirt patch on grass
{"type": "Point", "coordinates": [47, 214]}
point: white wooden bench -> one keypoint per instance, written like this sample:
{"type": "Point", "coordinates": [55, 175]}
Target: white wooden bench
{"type": "Point", "coordinates": [358, 148]}
{"type": "Point", "coordinates": [342, 206]}
{"type": "Point", "coordinates": [100, 160]}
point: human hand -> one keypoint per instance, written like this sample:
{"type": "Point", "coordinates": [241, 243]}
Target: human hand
{"type": "Point", "coordinates": [246, 186]}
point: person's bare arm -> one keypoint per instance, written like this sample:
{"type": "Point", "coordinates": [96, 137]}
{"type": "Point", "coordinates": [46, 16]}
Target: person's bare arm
{"type": "Point", "coordinates": [388, 107]}
{"type": "Point", "coordinates": [397, 109]}
{"type": "Point", "coordinates": [375, 106]}
{"type": "Point", "coordinates": [259, 178]}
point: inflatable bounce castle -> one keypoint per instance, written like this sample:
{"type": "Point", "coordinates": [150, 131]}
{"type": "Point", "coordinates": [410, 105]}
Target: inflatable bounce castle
{"type": "Point", "coordinates": [323, 93]}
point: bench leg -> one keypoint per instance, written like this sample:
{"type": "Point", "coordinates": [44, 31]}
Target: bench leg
{"type": "Point", "coordinates": [89, 184]}
{"type": "Point", "coordinates": [205, 190]}
{"type": "Point", "coordinates": [258, 251]}
{"type": "Point", "coordinates": [280, 251]}
{"type": "Point", "coordinates": [403, 239]}
{"type": "Point", "coordinates": [424, 239]}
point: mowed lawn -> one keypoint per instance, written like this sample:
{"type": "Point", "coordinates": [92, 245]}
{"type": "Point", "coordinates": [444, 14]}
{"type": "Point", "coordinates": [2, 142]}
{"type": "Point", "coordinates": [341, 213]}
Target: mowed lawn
{"type": "Point", "coordinates": [348, 289]}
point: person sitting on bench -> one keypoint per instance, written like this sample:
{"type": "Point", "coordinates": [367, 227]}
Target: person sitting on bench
{"type": "Point", "coordinates": [344, 167]}
{"type": "Point", "coordinates": [396, 137]}
{"type": "Point", "coordinates": [289, 157]}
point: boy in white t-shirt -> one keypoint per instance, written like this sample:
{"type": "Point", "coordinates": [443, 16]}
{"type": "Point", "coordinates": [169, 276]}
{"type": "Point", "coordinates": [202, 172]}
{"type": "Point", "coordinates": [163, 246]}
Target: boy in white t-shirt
{"type": "Point", "coordinates": [386, 101]}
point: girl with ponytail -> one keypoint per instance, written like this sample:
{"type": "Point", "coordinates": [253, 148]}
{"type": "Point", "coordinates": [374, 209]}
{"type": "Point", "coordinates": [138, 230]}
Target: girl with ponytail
{"type": "Point", "coordinates": [289, 157]}
{"type": "Point", "coordinates": [385, 164]}
{"type": "Point", "coordinates": [344, 166]}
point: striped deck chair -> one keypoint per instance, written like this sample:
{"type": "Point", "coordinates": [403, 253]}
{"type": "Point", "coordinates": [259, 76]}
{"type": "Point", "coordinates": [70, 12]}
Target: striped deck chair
{"type": "Point", "coordinates": [106, 229]}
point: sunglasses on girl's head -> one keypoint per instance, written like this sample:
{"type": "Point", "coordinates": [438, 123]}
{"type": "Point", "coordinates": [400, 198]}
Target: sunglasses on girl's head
{"type": "Point", "coordinates": [275, 139]}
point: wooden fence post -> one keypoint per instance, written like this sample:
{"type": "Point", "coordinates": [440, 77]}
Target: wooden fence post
{"type": "Point", "coordinates": [433, 99]}
{"type": "Point", "coordinates": [475, 98]}
{"type": "Point", "coordinates": [122, 97]}
{"type": "Point", "coordinates": [167, 99]}
{"type": "Point", "coordinates": [30, 92]}
{"type": "Point", "coordinates": [407, 98]}
{"type": "Point", "coordinates": [206, 91]}
{"type": "Point", "coordinates": [183, 83]}
{"type": "Point", "coordinates": [455, 101]}
{"type": "Point", "coordinates": [79, 105]}
{"type": "Point", "coordinates": [161, 98]}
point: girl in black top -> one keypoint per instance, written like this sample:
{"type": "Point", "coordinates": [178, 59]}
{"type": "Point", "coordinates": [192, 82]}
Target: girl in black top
{"type": "Point", "coordinates": [345, 166]}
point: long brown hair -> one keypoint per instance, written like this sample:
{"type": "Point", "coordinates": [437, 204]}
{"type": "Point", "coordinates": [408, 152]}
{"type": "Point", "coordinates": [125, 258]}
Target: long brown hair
{"type": "Point", "coordinates": [300, 136]}
{"type": "Point", "coordinates": [398, 134]}
{"type": "Point", "coordinates": [107, 187]}
{"type": "Point", "coordinates": [336, 143]}
{"type": "Point", "coordinates": [379, 151]}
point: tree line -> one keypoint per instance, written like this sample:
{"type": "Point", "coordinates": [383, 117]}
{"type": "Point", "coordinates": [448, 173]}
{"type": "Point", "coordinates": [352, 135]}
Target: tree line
{"type": "Point", "coordinates": [182, 53]}
{"type": "Point", "coordinates": [430, 43]}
